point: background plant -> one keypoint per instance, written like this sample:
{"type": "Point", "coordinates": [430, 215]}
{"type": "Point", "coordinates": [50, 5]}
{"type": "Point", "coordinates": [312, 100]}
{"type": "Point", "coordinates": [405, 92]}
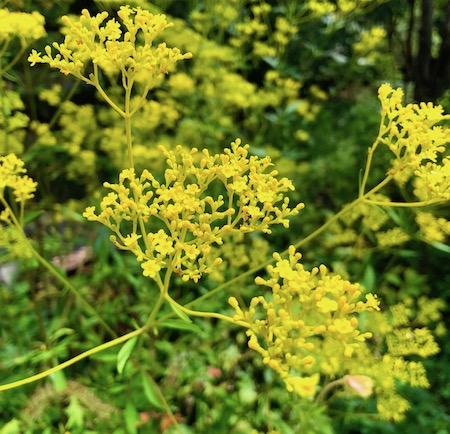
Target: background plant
{"type": "Point", "coordinates": [120, 281]}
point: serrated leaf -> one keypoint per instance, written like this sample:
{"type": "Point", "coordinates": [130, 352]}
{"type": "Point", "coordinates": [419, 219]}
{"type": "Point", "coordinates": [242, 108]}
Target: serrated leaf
{"type": "Point", "coordinates": [125, 353]}
{"type": "Point", "coordinates": [180, 313]}
{"type": "Point", "coordinates": [180, 325]}
{"type": "Point", "coordinates": [151, 393]}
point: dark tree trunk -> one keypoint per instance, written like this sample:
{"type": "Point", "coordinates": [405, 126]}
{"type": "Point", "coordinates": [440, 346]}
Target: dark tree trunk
{"type": "Point", "coordinates": [423, 62]}
{"type": "Point", "coordinates": [429, 74]}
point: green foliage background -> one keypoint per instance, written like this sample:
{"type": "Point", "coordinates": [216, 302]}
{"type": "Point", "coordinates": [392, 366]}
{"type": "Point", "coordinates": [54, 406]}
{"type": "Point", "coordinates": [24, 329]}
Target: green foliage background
{"type": "Point", "coordinates": [315, 117]}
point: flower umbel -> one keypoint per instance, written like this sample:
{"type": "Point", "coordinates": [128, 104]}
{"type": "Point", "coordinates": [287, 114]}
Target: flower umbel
{"type": "Point", "coordinates": [307, 310]}
{"type": "Point", "coordinates": [194, 220]}
{"type": "Point", "coordinates": [413, 134]}
{"type": "Point", "coordinates": [95, 43]}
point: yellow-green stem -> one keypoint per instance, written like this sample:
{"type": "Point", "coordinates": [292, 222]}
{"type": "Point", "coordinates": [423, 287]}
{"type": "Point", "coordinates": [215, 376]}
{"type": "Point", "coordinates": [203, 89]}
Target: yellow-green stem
{"type": "Point", "coordinates": [73, 360]}
{"type": "Point", "coordinates": [204, 314]}
{"type": "Point", "coordinates": [323, 393]}
{"type": "Point", "coordinates": [54, 271]}
{"type": "Point", "coordinates": [420, 204]}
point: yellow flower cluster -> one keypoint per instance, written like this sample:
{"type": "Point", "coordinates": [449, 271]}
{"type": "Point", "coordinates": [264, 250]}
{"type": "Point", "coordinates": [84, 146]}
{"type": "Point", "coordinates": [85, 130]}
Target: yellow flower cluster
{"type": "Point", "coordinates": [193, 220]}
{"type": "Point", "coordinates": [408, 341]}
{"type": "Point", "coordinates": [13, 175]}
{"type": "Point", "coordinates": [433, 228]}
{"type": "Point", "coordinates": [13, 123]}
{"type": "Point", "coordinates": [13, 244]}
{"type": "Point", "coordinates": [307, 309]}
{"type": "Point", "coordinates": [27, 27]}
{"type": "Point", "coordinates": [412, 133]}
{"type": "Point", "coordinates": [396, 342]}
{"type": "Point", "coordinates": [106, 46]}
{"type": "Point", "coordinates": [370, 40]}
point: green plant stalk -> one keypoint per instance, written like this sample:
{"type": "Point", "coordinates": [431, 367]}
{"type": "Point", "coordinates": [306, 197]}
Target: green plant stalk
{"type": "Point", "coordinates": [55, 272]}
{"type": "Point", "coordinates": [381, 130]}
{"type": "Point", "coordinates": [419, 204]}
{"type": "Point", "coordinates": [204, 314]}
{"type": "Point", "coordinates": [68, 97]}
{"type": "Point", "coordinates": [323, 393]}
{"type": "Point", "coordinates": [73, 360]}
{"type": "Point", "coordinates": [150, 322]}
{"type": "Point", "coordinates": [15, 59]}
{"type": "Point", "coordinates": [127, 118]}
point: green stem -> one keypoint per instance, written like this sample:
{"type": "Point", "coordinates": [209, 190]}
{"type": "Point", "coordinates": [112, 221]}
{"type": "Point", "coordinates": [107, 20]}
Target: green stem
{"type": "Point", "coordinates": [419, 204]}
{"type": "Point", "coordinates": [204, 314]}
{"type": "Point", "coordinates": [96, 83]}
{"type": "Point", "coordinates": [67, 283]}
{"type": "Point", "coordinates": [127, 115]}
{"type": "Point", "coordinates": [68, 97]}
{"type": "Point", "coordinates": [343, 211]}
{"type": "Point", "coordinates": [73, 360]}
{"type": "Point", "coordinates": [381, 130]}
{"type": "Point", "coordinates": [323, 393]}
{"type": "Point", "coordinates": [154, 311]}
{"type": "Point", "coordinates": [54, 271]}
{"type": "Point", "coordinates": [14, 60]}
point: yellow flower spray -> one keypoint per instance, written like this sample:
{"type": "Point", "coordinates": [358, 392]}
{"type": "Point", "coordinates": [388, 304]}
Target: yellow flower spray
{"type": "Point", "coordinates": [306, 315]}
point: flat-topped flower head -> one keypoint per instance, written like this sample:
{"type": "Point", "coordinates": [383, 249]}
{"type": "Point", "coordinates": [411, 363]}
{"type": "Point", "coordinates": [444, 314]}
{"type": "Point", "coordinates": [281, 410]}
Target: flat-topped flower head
{"type": "Point", "coordinates": [93, 42]}
{"type": "Point", "coordinates": [196, 219]}
{"type": "Point", "coordinates": [25, 26]}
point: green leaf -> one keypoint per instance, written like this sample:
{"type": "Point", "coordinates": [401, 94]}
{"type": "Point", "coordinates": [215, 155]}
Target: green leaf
{"type": "Point", "coordinates": [125, 353]}
{"type": "Point", "coordinates": [151, 393]}
{"type": "Point", "coordinates": [131, 418]}
{"type": "Point", "coordinates": [30, 216]}
{"type": "Point", "coordinates": [180, 313]}
{"type": "Point", "coordinates": [441, 246]}
{"type": "Point", "coordinates": [180, 325]}
{"type": "Point", "coordinates": [59, 380]}
{"type": "Point", "coordinates": [12, 427]}
{"type": "Point", "coordinates": [76, 414]}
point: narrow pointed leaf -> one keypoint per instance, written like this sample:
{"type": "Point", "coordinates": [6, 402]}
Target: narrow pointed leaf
{"type": "Point", "coordinates": [180, 325]}
{"type": "Point", "coordinates": [180, 313]}
{"type": "Point", "coordinates": [125, 353]}
{"type": "Point", "coordinates": [151, 393]}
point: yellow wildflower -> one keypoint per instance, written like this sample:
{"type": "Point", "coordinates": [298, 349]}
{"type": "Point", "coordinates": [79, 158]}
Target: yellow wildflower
{"type": "Point", "coordinates": [105, 46]}
{"type": "Point", "coordinates": [303, 386]}
{"type": "Point", "coordinates": [194, 220]}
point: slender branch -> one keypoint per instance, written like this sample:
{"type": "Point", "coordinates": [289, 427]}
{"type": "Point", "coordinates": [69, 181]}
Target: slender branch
{"type": "Point", "coordinates": [204, 314]}
{"type": "Point", "coordinates": [73, 360]}
{"type": "Point", "coordinates": [404, 204]}
{"type": "Point", "coordinates": [96, 83]}
{"type": "Point", "coordinates": [59, 110]}
{"type": "Point", "coordinates": [321, 396]}
{"type": "Point", "coordinates": [54, 271]}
